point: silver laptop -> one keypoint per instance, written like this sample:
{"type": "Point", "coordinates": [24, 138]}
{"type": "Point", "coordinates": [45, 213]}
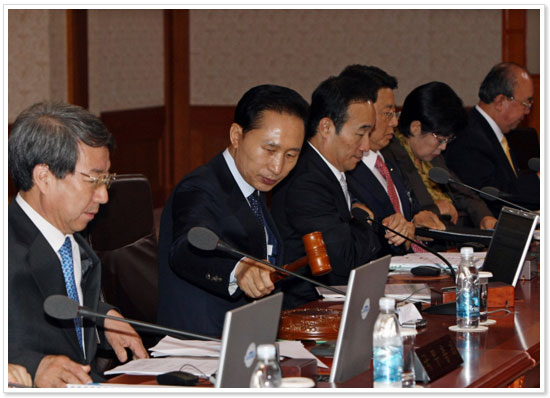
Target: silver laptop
{"type": "Point", "coordinates": [244, 329]}
{"type": "Point", "coordinates": [510, 243]}
{"type": "Point", "coordinates": [354, 345]}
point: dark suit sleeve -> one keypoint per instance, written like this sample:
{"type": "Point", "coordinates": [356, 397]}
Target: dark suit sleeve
{"type": "Point", "coordinates": [464, 198]}
{"type": "Point", "coordinates": [310, 206]}
{"type": "Point", "coordinates": [194, 204]}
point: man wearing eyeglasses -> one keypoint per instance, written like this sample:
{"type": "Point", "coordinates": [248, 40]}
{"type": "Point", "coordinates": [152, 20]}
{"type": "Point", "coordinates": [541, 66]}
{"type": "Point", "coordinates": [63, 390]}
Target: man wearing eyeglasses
{"type": "Point", "coordinates": [58, 157]}
{"type": "Point", "coordinates": [375, 181]}
{"type": "Point", "coordinates": [481, 156]}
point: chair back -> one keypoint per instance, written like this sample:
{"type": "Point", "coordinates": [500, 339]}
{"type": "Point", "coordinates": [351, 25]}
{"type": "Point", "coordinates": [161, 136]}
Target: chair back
{"type": "Point", "coordinates": [123, 236]}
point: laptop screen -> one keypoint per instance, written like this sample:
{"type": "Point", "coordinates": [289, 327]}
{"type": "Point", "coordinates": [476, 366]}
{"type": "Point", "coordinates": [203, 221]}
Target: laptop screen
{"type": "Point", "coordinates": [244, 329]}
{"type": "Point", "coordinates": [510, 244]}
{"type": "Point", "coordinates": [354, 345]}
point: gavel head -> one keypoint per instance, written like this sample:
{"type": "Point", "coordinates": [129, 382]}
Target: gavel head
{"type": "Point", "coordinates": [316, 252]}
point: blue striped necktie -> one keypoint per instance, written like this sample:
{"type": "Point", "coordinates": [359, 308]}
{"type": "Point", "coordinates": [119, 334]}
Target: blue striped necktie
{"type": "Point", "coordinates": [66, 253]}
{"type": "Point", "coordinates": [255, 205]}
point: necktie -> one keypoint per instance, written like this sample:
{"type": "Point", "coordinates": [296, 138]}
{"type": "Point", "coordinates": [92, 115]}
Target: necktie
{"type": "Point", "coordinates": [66, 253]}
{"type": "Point", "coordinates": [392, 193]}
{"type": "Point", "coordinates": [344, 185]}
{"type": "Point", "coordinates": [506, 148]}
{"type": "Point", "coordinates": [256, 207]}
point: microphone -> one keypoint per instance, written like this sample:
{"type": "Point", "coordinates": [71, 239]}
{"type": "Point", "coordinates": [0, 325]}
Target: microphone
{"type": "Point", "coordinates": [442, 176]}
{"type": "Point", "coordinates": [62, 307]}
{"type": "Point", "coordinates": [361, 214]}
{"type": "Point", "coordinates": [534, 164]}
{"type": "Point", "coordinates": [206, 239]}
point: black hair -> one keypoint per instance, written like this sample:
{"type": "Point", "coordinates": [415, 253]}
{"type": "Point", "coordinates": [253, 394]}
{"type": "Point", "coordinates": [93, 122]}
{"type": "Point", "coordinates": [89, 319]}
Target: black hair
{"type": "Point", "coordinates": [332, 98]}
{"type": "Point", "coordinates": [380, 77]}
{"type": "Point", "coordinates": [436, 106]}
{"type": "Point", "coordinates": [268, 97]}
{"type": "Point", "coordinates": [49, 133]}
{"type": "Point", "coordinates": [501, 79]}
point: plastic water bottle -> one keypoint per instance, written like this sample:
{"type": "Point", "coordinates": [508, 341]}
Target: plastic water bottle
{"type": "Point", "coordinates": [387, 347]}
{"type": "Point", "coordinates": [467, 291]}
{"type": "Point", "coordinates": [267, 373]}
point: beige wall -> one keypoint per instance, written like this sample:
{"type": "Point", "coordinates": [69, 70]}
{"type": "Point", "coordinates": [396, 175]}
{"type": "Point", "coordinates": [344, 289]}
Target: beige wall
{"type": "Point", "coordinates": [126, 59]}
{"type": "Point", "coordinates": [232, 50]}
{"type": "Point", "coordinates": [37, 66]}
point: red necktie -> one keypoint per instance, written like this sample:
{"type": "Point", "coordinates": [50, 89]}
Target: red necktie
{"type": "Point", "coordinates": [392, 193]}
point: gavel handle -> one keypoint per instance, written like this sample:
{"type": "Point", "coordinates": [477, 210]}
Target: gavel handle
{"type": "Point", "coordinates": [277, 276]}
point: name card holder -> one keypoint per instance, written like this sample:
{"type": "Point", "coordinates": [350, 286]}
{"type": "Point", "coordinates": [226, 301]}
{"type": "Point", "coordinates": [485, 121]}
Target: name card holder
{"type": "Point", "coordinates": [436, 359]}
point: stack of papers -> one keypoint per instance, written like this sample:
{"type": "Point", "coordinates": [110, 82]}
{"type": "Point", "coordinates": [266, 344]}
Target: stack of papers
{"type": "Point", "coordinates": [408, 291]}
{"type": "Point", "coordinates": [195, 356]}
{"type": "Point", "coordinates": [411, 260]}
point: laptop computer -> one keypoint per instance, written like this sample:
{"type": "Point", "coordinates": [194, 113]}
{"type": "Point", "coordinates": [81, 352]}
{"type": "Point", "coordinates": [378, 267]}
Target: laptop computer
{"type": "Point", "coordinates": [510, 244]}
{"type": "Point", "coordinates": [354, 344]}
{"type": "Point", "coordinates": [245, 328]}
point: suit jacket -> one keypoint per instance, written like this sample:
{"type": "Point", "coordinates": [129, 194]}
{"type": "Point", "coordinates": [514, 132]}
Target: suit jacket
{"type": "Point", "coordinates": [35, 273]}
{"type": "Point", "coordinates": [365, 187]}
{"type": "Point", "coordinates": [311, 199]}
{"type": "Point", "coordinates": [477, 157]}
{"type": "Point", "coordinates": [193, 284]}
{"type": "Point", "coordinates": [465, 201]}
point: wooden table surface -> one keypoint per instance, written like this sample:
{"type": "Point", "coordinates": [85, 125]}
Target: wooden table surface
{"type": "Point", "coordinates": [509, 350]}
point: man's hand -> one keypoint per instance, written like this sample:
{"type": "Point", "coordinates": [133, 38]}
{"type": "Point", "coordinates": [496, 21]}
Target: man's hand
{"type": "Point", "coordinates": [121, 335]}
{"type": "Point", "coordinates": [488, 222]}
{"type": "Point", "coordinates": [59, 370]}
{"type": "Point", "coordinates": [400, 224]}
{"type": "Point", "coordinates": [17, 374]}
{"type": "Point", "coordinates": [446, 207]}
{"type": "Point", "coordinates": [428, 219]}
{"type": "Point", "coordinates": [253, 278]}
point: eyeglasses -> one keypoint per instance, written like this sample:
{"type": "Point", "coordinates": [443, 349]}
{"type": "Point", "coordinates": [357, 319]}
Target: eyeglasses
{"type": "Point", "coordinates": [527, 104]}
{"type": "Point", "coordinates": [106, 179]}
{"type": "Point", "coordinates": [442, 139]}
{"type": "Point", "coordinates": [389, 115]}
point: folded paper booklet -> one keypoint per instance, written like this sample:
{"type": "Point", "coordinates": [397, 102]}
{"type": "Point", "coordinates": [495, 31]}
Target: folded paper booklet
{"type": "Point", "coordinates": [411, 260]}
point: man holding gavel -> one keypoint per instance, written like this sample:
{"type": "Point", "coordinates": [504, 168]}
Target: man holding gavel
{"type": "Point", "coordinates": [315, 196]}
{"type": "Point", "coordinates": [227, 196]}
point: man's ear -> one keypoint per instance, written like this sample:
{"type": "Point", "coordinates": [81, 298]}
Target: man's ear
{"type": "Point", "coordinates": [236, 135]}
{"type": "Point", "coordinates": [415, 127]}
{"type": "Point", "coordinates": [42, 177]}
{"type": "Point", "coordinates": [326, 127]}
{"type": "Point", "coordinates": [499, 102]}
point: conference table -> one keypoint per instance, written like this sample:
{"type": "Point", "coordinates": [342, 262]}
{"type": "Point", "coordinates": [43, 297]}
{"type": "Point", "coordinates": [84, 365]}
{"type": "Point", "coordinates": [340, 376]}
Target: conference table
{"type": "Point", "coordinates": [507, 355]}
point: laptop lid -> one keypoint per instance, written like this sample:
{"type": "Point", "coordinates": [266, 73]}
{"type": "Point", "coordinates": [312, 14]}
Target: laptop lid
{"type": "Point", "coordinates": [245, 328]}
{"type": "Point", "coordinates": [510, 243]}
{"type": "Point", "coordinates": [354, 345]}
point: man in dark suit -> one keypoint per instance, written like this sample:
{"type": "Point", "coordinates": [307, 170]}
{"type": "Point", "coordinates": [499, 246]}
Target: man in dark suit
{"type": "Point", "coordinates": [315, 197]}
{"type": "Point", "coordinates": [59, 161]}
{"type": "Point", "coordinates": [480, 155]}
{"type": "Point", "coordinates": [227, 195]}
{"type": "Point", "coordinates": [375, 181]}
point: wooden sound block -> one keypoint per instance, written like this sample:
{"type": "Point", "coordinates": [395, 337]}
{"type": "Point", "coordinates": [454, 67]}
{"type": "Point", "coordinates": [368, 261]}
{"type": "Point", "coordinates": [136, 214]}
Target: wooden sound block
{"type": "Point", "coordinates": [310, 324]}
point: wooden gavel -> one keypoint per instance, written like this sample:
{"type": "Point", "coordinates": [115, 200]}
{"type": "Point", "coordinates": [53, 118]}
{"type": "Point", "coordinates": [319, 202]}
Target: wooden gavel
{"type": "Point", "coordinates": [316, 257]}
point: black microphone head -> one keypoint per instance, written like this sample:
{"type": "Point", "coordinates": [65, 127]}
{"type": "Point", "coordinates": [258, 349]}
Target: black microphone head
{"type": "Point", "coordinates": [439, 175]}
{"type": "Point", "coordinates": [61, 307]}
{"type": "Point", "coordinates": [203, 238]}
{"type": "Point", "coordinates": [492, 193]}
{"type": "Point", "coordinates": [534, 164]}
{"type": "Point", "coordinates": [359, 213]}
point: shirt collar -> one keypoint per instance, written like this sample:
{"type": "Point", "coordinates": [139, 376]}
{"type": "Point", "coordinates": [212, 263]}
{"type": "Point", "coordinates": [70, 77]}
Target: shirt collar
{"type": "Point", "coordinates": [337, 173]}
{"type": "Point", "coordinates": [492, 123]}
{"type": "Point", "coordinates": [244, 186]}
{"type": "Point", "coordinates": [52, 235]}
{"type": "Point", "coordinates": [369, 158]}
